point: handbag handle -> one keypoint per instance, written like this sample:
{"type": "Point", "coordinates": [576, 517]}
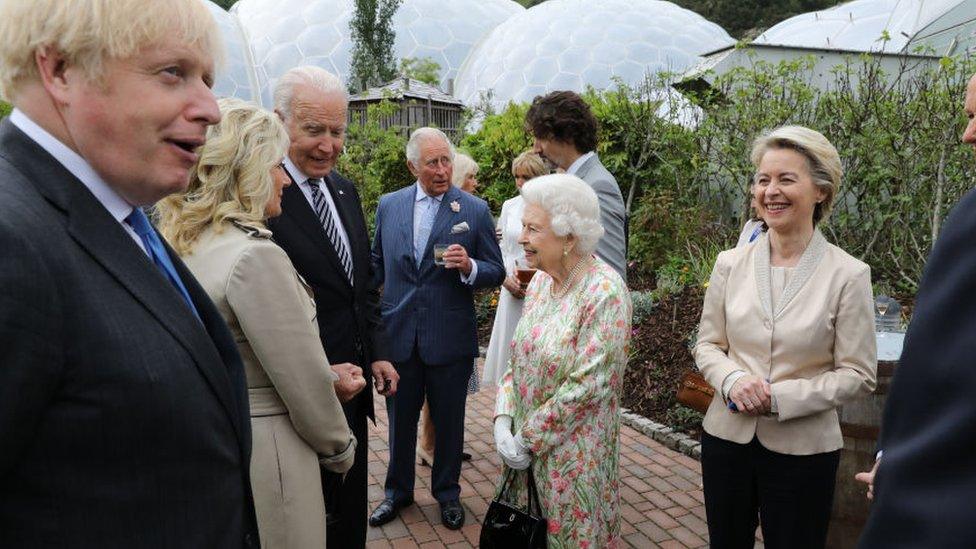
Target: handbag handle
{"type": "Point", "coordinates": [534, 505]}
{"type": "Point", "coordinates": [534, 495]}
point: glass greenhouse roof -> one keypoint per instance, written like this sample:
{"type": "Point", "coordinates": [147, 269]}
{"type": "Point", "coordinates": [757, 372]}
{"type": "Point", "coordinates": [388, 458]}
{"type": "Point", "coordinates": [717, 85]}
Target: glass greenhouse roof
{"type": "Point", "coordinates": [571, 44]}
{"type": "Point", "coordinates": [891, 26]}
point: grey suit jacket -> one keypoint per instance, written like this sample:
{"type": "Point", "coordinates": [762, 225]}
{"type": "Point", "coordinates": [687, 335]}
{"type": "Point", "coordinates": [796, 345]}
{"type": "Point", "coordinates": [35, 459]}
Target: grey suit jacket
{"type": "Point", "coordinates": [123, 417]}
{"type": "Point", "coordinates": [612, 248]}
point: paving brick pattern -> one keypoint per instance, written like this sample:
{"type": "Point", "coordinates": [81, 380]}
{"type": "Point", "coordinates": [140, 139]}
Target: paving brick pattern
{"type": "Point", "coordinates": [661, 501]}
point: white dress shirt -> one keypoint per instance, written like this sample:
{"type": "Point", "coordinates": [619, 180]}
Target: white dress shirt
{"type": "Point", "coordinates": [578, 163]}
{"type": "Point", "coordinates": [418, 204]}
{"type": "Point", "coordinates": [301, 180]}
{"type": "Point", "coordinates": [117, 207]}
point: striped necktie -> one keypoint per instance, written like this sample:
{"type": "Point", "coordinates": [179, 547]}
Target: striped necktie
{"type": "Point", "coordinates": [328, 223]}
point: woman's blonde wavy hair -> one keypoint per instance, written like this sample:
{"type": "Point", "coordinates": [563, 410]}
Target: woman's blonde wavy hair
{"type": "Point", "coordinates": [232, 180]}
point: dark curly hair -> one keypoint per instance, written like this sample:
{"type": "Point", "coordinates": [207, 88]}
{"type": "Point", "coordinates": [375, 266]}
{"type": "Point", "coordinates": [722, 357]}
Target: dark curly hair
{"type": "Point", "coordinates": [563, 116]}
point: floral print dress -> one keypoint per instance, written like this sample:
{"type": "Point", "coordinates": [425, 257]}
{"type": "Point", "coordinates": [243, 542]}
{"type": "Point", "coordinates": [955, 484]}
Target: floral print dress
{"type": "Point", "coordinates": [562, 389]}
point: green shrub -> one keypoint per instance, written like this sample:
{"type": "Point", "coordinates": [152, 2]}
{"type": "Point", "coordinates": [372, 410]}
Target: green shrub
{"type": "Point", "coordinates": [643, 305]}
{"type": "Point", "coordinates": [499, 140]}
{"type": "Point", "coordinates": [375, 159]}
{"type": "Point", "coordinates": [5, 108]}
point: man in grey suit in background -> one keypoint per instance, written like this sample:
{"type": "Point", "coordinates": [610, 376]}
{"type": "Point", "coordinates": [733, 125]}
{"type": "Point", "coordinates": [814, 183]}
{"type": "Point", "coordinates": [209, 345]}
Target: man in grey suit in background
{"type": "Point", "coordinates": [123, 410]}
{"type": "Point", "coordinates": [563, 130]}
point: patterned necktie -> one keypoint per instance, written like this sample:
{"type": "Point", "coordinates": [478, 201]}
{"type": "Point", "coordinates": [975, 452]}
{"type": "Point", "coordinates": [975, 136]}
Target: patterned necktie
{"type": "Point", "coordinates": [328, 223]}
{"type": "Point", "coordinates": [157, 253]}
{"type": "Point", "coordinates": [427, 212]}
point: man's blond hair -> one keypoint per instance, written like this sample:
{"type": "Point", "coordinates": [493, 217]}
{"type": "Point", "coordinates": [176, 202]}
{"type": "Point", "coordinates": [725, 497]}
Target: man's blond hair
{"type": "Point", "coordinates": [89, 32]}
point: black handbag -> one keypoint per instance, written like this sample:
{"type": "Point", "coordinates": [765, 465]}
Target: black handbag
{"type": "Point", "coordinates": [507, 526]}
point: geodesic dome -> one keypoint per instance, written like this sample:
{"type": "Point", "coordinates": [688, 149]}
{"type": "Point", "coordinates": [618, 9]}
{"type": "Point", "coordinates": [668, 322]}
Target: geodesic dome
{"type": "Point", "coordinates": [288, 33]}
{"type": "Point", "coordinates": [941, 26]}
{"type": "Point", "coordinates": [569, 44]}
{"type": "Point", "coordinates": [236, 77]}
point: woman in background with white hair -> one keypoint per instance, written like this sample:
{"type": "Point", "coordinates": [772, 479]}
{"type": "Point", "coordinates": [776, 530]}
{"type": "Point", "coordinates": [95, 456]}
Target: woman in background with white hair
{"type": "Point", "coordinates": [558, 404]}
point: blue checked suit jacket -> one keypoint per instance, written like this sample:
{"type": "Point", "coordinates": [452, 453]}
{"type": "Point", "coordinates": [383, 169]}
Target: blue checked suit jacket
{"type": "Point", "coordinates": [429, 305]}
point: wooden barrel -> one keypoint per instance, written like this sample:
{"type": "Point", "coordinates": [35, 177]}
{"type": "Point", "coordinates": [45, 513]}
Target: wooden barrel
{"type": "Point", "coordinates": [860, 423]}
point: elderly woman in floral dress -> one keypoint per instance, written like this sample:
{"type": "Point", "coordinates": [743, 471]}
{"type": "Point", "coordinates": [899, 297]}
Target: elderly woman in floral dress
{"type": "Point", "coordinates": [558, 403]}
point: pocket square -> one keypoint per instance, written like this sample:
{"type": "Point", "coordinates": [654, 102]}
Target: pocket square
{"type": "Point", "coordinates": [461, 227]}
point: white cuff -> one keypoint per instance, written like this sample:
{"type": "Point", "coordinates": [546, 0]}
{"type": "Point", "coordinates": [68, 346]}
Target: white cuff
{"type": "Point", "coordinates": [729, 382]}
{"type": "Point", "coordinates": [469, 280]}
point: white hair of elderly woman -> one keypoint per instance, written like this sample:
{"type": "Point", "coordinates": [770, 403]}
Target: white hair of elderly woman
{"type": "Point", "coordinates": [572, 206]}
{"type": "Point", "coordinates": [423, 134]}
{"type": "Point", "coordinates": [464, 165]}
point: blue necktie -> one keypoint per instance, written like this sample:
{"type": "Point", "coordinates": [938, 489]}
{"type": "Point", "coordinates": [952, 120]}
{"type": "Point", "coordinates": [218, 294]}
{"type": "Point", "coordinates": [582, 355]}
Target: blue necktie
{"type": "Point", "coordinates": [427, 213]}
{"type": "Point", "coordinates": [140, 224]}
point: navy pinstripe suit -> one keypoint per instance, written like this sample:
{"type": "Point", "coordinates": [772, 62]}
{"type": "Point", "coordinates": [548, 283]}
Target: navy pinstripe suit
{"type": "Point", "coordinates": [428, 313]}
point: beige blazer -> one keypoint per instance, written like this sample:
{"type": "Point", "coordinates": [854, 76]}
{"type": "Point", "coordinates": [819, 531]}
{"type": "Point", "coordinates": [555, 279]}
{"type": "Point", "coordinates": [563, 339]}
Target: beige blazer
{"type": "Point", "coordinates": [816, 345]}
{"type": "Point", "coordinates": [296, 418]}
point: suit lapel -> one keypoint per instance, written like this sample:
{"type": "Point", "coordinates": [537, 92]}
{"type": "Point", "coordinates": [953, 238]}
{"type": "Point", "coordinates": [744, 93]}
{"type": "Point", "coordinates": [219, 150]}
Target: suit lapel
{"type": "Point", "coordinates": [406, 207]}
{"type": "Point", "coordinates": [804, 270]}
{"type": "Point", "coordinates": [801, 274]}
{"type": "Point", "coordinates": [296, 207]}
{"type": "Point", "coordinates": [350, 211]}
{"type": "Point", "coordinates": [761, 261]}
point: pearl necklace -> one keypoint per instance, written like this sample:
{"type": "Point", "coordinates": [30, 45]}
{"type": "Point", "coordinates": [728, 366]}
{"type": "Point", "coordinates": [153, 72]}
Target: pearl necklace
{"type": "Point", "coordinates": [570, 279]}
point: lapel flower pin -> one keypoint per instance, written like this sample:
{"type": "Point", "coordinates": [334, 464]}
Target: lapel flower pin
{"type": "Point", "coordinates": [455, 206]}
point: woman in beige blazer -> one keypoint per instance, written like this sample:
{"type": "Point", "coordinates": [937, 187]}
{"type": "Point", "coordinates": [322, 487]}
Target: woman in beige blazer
{"type": "Point", "coordinates": [786, 336]}
{"type": "Point", "coordinates": [217, 227]}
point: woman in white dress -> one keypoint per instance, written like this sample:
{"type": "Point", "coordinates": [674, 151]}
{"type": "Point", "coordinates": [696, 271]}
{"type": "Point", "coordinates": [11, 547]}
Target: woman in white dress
{"type": "Point", "coordinates": [525, 166]}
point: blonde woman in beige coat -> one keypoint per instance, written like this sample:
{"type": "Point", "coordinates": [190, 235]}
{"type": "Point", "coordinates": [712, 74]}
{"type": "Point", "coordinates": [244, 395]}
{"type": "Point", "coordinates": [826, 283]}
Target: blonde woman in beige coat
{"type": "Point", "coordinates": [217, 227]}
{"type": "Point", "coordinates": [786, 336]}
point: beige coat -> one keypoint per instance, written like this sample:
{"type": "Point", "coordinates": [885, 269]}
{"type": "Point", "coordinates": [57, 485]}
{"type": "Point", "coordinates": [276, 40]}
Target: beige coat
{"type": "Point", "coordinates": [296, 418]}
{"type": "Point", "coordinates": [816, 345]}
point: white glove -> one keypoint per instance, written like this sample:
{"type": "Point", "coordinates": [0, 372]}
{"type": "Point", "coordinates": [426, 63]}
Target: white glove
{"type": "Point", "coordinates": [512, 451]}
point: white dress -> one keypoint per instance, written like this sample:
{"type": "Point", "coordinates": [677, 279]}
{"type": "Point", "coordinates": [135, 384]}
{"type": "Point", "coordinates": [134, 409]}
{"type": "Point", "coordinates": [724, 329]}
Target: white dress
{"type": "Point", "coordinates": [509, 307]}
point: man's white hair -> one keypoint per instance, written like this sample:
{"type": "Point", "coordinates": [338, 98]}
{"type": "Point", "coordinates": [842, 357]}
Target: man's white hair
{"type": "Point", "coordinates": [309, 75]}
{"type": "Point", "coordinates": [572, 206]}
{"type": "Point", "coordinates": [424, 134]}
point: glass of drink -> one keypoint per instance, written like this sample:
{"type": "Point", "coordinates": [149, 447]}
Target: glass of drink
{"type": "Point", "coordinates": [523, 273]}
{"type": "Point", "coordinates": [439, 250]}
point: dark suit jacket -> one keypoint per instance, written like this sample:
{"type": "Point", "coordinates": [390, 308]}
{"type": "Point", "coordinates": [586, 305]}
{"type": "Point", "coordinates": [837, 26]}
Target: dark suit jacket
{"type": "Point", "coordinates": [429, 306]}
{"type": "Point", "coordinates": [927, 479]}
{"type": "Point", "coordinates": [348, 314]}
{"type": "Point", "coordinates": [123, 421]}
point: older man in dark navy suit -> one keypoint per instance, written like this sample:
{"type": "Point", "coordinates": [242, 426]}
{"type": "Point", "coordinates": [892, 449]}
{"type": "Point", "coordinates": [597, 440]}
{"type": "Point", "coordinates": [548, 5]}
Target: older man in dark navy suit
{"type": "Point", "coordinates": [428, 314]}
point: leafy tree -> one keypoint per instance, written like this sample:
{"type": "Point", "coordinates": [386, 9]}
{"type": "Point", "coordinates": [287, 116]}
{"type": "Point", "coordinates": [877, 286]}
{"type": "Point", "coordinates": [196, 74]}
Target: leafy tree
{"type": "Point", "coordinates": [372, 31]}
{"type": "Point", "coordinates": [424, 69]}
{"type": "Point", "coordinates": [226, 4]}
{"type": "Point", "coordinates": [375, 158]}
{"type": "Point", "coordinates": [5, 108]}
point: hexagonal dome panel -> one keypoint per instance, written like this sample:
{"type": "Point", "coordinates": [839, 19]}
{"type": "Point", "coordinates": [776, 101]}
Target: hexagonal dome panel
{"type": "Point", "coordinates": [236, 77]}
{"type": "Point", "coordinates": [587, 42]}
{"type": "Point", "coordinates": [286, 33]}
{"type": "Point", "coordinates": [947, 26]}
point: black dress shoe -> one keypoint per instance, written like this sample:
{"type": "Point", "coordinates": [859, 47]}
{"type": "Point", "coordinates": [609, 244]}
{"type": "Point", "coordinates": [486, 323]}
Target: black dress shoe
{"type": "Point", "coordinates": [452, 514]}
{"type": "Point", "coordinates": [386, 511]}
{"type": "Point", "coordinates": [465, 456]}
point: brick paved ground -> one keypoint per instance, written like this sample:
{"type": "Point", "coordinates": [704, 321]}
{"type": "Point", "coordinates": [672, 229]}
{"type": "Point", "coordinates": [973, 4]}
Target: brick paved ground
{"type": "Point", "coordinates": [660, 496]}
